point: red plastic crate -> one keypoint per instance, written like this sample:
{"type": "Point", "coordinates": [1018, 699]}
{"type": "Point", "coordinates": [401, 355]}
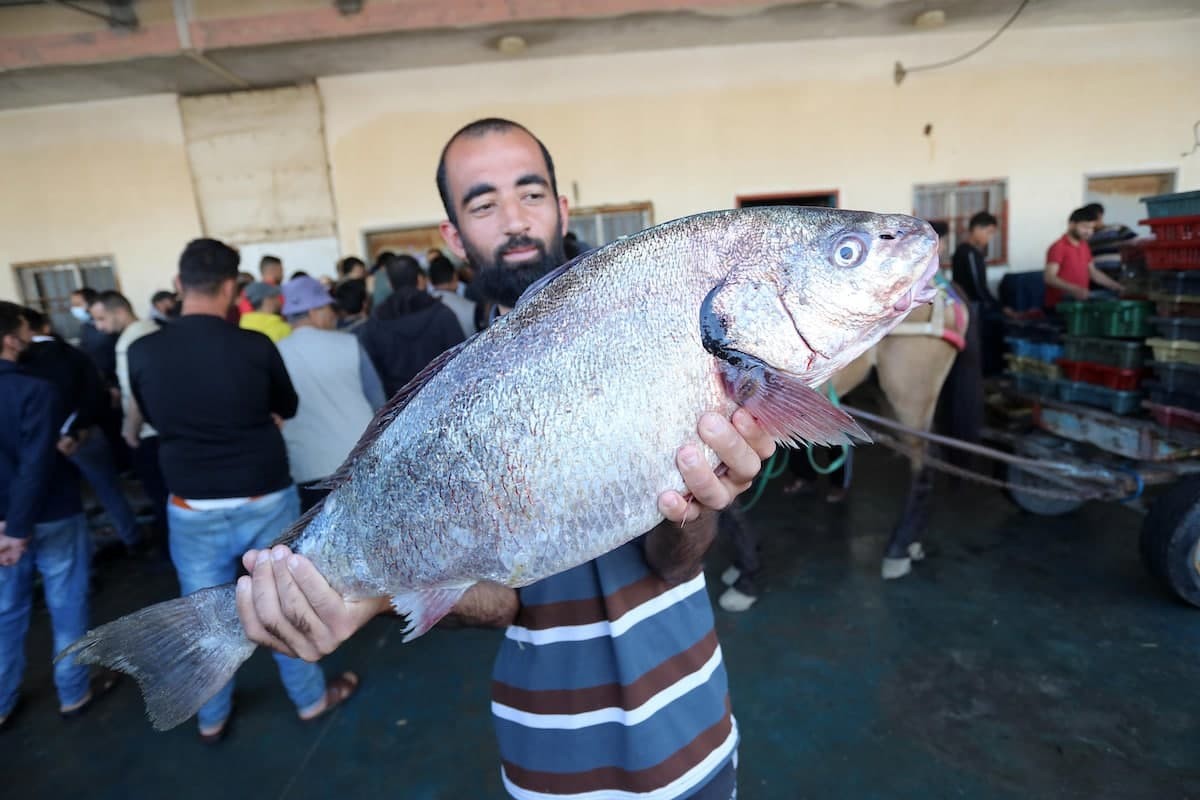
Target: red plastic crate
{"type": "Point", "coordinates": [1174, 417]}
{"type": "Point", "coordinates": [1122, 380]}
{"type": "Point", "coordinates": [1172, 255]}
{"type": "Point", "coordinates": [1174, 229]}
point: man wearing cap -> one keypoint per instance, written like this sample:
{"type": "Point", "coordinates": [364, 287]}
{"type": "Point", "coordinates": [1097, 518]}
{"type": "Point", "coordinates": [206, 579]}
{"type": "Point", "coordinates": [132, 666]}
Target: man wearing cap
{"type": "Point", "coordinates": [338, 387]}
{"type": "Point", "coordinates": [217, 395]}
{"type": "Point", "coordinates": [265, 301]}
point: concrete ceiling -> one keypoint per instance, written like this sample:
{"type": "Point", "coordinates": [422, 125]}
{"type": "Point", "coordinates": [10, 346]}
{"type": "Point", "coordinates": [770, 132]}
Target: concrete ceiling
{"type": "Point", "coordinates": [191, 71]}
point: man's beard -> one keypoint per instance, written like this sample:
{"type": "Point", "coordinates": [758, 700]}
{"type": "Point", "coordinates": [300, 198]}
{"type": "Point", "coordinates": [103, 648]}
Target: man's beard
{"type": "Point", "coordinates": [504, 283]}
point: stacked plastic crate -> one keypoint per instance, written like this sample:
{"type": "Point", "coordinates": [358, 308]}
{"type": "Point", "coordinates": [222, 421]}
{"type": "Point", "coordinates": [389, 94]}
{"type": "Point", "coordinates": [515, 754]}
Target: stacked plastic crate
{"type": "Point", "coordinates": [1173, 258]}
{"type": "Point", "coordinates": [1104, 353]}
{"type": "Point", "coordinates": [1032, 362]}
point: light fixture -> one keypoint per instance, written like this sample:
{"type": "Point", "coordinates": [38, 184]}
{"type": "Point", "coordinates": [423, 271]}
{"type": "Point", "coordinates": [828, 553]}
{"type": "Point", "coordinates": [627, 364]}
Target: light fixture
{"type": "Point", "coordinates": [512, 45]}
{"type": "Point", "coordinates": [928, 20]}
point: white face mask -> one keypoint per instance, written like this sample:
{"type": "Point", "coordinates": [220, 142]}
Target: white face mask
{"type": "Point", "coordinates": [80, 313]}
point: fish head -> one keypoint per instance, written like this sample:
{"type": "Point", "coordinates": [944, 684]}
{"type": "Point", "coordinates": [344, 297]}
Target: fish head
{"type": "Point", "coordinates": [810, 289]}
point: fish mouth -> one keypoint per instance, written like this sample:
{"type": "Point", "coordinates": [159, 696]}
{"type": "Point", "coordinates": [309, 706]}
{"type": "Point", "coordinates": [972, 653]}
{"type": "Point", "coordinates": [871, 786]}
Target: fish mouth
{"type": "Point", "coordinates": [922, 290]}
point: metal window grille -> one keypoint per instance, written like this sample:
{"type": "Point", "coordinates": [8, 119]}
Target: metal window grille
{"type": "Point", "coordinates": [955, 204]}
{"type": "Point", "coordinates": [47, 286]}
{"type": "Point", "coordinates": [599, 226]}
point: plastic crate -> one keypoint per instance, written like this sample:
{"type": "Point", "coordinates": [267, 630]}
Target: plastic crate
{"type": "Point", "coordinates": [1110, 352]}
{"type": "Point", "coordinates": [1083, 319]}
{"type": "Point", "coordinates": [1176, 283]}
{"type": "Point", "coordinates": [1173, 255]}
{"type": "Point", "coordinates": [1117, 402]}
{"type": "Point", "coordinates": [1177, 305]}
{"type": "Point", "coordinates": [1021, 365]}
{"type": "Point", "coordinates": [1123, 380]}
{"type": "Point", "coordinates": [1176, 377]}
{"type": "Point", "coordinates": [1178, 328]}
{"type": "Point", "coordinates": [1165, 397]}
{"type": "Point", "coordinates": [1025, 348]}
{"type": "Point", "coordinates": [1173, 417]}
{"type": "Point", "coordinates": [1174, 229]}
{"type": "Point", "coordinates": [1175, 351]}
{"type": "Point", "coordinates": [1177, 204]}
{"type": "Point", "coordinates": [1125, 318]}
{"type": "Point", "coordinates": [1035, 385]}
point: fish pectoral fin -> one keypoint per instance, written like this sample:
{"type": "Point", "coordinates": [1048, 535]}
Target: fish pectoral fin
{"type": "Point", "coordinates": [425, 607]}
{"type": "Point", "coordinates": [790, 411]}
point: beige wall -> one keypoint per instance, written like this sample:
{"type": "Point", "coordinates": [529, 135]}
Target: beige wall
{"type": "Point", "coordinates": [690, 129]}
{"type": "Point", "coordinates": [96, 179]}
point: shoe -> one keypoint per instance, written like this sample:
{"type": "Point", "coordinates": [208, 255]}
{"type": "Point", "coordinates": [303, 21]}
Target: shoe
{"type": "Point", "coordinates": [101, 684]}
{"type": "Point", "coordinates": [730, 576]}
{"type": "Point", "coordinates": [734, 601]}
{"type": "Point", "coordinates": [337, 691]}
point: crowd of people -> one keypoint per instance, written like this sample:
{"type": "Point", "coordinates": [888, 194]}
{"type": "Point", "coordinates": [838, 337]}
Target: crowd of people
{"type": "Point", "coordinates": [238, 398]}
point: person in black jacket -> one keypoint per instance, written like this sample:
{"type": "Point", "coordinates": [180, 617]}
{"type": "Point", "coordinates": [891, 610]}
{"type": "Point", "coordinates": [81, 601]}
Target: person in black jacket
{"type": "Point", "coordinates": [410, 328]}
{"type": "Point", "coordinates": [970, 274]}
{"type": "Point", "coordinates": [85, 403]}
{"type": "Point", "coordinates": [41, 526]}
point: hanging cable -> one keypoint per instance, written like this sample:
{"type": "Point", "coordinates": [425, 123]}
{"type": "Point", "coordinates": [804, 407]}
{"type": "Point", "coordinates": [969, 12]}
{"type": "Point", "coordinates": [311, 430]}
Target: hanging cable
{"type": "Point", "coordinates": [901, 72]}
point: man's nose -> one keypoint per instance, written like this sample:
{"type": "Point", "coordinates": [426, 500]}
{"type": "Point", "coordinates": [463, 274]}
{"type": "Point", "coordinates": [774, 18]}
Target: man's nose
{"type": "Point", "coordinates": [515, 220]}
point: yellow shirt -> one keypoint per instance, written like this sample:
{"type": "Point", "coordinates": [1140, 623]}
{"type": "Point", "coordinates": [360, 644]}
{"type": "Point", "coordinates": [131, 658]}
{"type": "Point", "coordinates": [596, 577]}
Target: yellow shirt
{"type": "Point", "coordinates": [270, 324]}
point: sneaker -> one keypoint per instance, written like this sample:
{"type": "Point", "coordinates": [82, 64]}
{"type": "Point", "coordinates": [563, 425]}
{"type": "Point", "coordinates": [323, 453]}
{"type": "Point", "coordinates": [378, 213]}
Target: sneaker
{"type": "Point", "coordinates": [730, 576]}
{"type": "Point", "coordinates": [734, 601]}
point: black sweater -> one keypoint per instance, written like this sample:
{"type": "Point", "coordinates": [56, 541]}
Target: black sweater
{"type": "Point", "coordinates": [209, 388]}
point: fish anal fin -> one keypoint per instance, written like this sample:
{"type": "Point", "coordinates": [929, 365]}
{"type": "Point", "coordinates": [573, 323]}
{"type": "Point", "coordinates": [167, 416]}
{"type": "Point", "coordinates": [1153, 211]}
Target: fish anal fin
{"type": "Point", "coordinates": [424, 607]}
{"type": "Point", "coordinates": [786, 407]}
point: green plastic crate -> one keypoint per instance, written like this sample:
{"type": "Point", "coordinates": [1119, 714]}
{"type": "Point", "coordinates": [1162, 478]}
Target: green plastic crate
{"type": "Point", "coordinates": [1109, 352]}
{"type": "Point", "coordinates": [1125, 319]}
{"type": "Point", "coordinates": [1083, 319]}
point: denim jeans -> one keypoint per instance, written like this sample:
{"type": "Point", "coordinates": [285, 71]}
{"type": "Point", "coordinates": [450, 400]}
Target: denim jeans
{"type": "Point", "coordinates": [207, 547]}
{"type": "Point", "coordinates": [59, 550]}
{"type": "Point", "coordinates": [94, 459]}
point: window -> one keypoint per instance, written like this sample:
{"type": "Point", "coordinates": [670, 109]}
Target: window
{"type": "Point", "coordinates": [955, 204]}
{"type": "Point", "coordinates": [47, 286]}
{"type": "Point", "coordinates": [600, 225]}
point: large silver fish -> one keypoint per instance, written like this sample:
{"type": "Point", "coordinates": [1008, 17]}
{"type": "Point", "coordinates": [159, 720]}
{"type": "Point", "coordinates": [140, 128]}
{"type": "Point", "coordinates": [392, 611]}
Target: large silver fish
{"type": "Point", "coordinates": [545, 441]}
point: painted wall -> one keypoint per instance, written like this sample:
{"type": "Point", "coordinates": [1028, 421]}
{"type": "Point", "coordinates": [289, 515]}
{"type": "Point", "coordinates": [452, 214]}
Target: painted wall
{"type": "Point", "coordinates": [690, 129]}
{"type": "Point", "coordinates": [97, 179]}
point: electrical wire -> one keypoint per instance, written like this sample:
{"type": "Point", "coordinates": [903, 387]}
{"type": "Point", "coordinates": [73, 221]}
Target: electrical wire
{"type": "Point", "coordinates": [901, 71]}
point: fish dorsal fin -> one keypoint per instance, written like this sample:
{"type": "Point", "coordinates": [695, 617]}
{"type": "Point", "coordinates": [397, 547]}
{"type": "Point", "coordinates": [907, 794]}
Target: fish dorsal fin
{"type": "Point", "coordinates": [382, 419]}
{"type": "Point", "coordinates": [548, 278]}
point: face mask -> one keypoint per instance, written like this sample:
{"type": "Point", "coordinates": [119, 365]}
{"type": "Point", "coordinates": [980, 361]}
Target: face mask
{"type": "Point", "coordinates": [79, 313]}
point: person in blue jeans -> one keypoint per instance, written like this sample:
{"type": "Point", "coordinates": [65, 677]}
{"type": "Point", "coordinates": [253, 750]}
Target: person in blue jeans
{"type": "Point", "coordinates": [42, 527]}
{"type": "Point", "coordinates": [217, 395]}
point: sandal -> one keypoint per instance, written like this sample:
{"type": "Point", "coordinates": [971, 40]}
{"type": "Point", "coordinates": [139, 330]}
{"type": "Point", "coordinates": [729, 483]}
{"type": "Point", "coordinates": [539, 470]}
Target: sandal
{"type": "Point", "coordinates": [337, 691]}
{"type": "Point", "coordinates": [101, 685]}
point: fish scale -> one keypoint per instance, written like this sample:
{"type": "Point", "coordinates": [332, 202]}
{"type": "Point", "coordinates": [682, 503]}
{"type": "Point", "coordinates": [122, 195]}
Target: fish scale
{"type": "Point", "coordinates": [545, 441]}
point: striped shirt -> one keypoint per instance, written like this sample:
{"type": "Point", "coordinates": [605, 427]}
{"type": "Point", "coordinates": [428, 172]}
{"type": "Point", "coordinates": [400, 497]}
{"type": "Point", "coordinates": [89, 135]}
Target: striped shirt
{"type": "Point", "coordinates": [610, 685]}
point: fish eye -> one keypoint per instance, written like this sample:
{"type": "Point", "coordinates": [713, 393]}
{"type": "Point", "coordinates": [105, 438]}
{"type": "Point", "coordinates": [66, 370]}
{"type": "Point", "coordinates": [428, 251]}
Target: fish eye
{"type": "Point", "coordinates": [849, 251]}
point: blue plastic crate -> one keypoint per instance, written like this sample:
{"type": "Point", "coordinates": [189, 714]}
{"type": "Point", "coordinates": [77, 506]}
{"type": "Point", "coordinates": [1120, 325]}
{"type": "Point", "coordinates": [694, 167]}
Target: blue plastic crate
{"type": "Point", "coordinates": [1179, 204]}
{"type": "Point", "coordinates": [1099, 396]}
{"type": "Point", "coordinates": [1049, 352]}
{"type": "Point", "coordinates": [1024, 348]}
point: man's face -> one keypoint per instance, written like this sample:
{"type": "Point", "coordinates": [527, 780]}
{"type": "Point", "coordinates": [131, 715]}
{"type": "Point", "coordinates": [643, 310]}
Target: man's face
{"type": "Point", "coordinates": [166, 306]}
{"type": "Point", "coordinates": [77, 301]}
{"type": "Point", "coordinates": [510, 225]}
{"type": "Point", "coordinates": [983, 234]}
{"type": "Point", "coordinates": [104, 319]}
{"type": "Point", "coordinates": [357, 273]}
{"type": "Point", "coordinates": [273, 274]}
{"type": "Point", "coordinates": [1082, 230]}
{"type": "Point", "coordinates": [19, 341]}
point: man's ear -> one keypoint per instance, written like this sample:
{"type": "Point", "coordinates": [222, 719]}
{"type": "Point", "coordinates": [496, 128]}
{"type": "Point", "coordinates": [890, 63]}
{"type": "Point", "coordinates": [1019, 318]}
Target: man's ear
{"type": "Point", "coordinates": [453, 240]}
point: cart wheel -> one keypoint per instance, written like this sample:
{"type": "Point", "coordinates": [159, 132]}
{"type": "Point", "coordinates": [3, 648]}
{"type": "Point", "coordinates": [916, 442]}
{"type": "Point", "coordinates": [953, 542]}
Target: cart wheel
{"type": "Point", "coordinates": [1036, 503]}
{"type": "Point", "coordinates": [1170, 541]}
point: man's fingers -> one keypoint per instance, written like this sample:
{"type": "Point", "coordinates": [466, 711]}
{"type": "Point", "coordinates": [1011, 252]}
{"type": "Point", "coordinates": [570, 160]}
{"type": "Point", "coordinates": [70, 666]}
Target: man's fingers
{"type": "Point", "coordinates": [677, 508]}
{"type": "Point", "coordinates": [255, 632]}
{"type": "Point", "coordinates": [731, 447]}
{"type": "Point", "coordinates": [325, 601]}
{"type": "Point", "coordinates": [702, 483]}
{"type": "Point", "coordinates": [297, 609]}
{"type": "Point", "coordinates": [248, 559]}
{"type": "Point", "coordinates": [265, 594]}
{"type": "Point", "coordinates": [753, 433]}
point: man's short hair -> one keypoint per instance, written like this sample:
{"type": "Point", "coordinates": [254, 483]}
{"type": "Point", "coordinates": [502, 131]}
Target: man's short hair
{"type": "Point", "coordinates": [36, 319]}
{"type": "Point", "coordinates": [983, 219]}
{"type": "Point", "coordinates": [113, 300]}
{"type": "Point", "coordinates": [403, 271]}
{"type": "Point", "coordinates": [940, 227]}
{"type": "Point", "coordinates": [265, 261]}
{"type": "Point", "coordinates": [351, 296]}
{"type": "Point", "coordinates": [476, 129]}
{"type": "Point", "coordinates": [441, 271]}
{"type": "Point", "coordinates": [347, 264]}
{"type": "Point", "coordinates": [88, 294]}
{"type": "Point", "coordinates": [11, 316]}
{"type": "Point", "coordinates": [207, 263]}
{"type": "Point", "coordinates": [160, 295]}
{"type": "Point", "coordinates": [1084, 214]}
{"type": "Point", "coordinates": [1095, 208]}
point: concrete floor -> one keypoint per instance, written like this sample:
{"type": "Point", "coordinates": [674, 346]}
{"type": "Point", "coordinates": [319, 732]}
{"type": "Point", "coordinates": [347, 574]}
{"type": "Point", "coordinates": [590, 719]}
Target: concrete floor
{"type": "Point", "coordinates": [1027, 657]}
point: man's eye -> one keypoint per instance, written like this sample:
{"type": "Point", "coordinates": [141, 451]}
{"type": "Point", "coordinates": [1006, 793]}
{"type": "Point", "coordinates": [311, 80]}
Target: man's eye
{"type": "Point", "coordinates": [535, 195]}
{"type": "Point", "coordinates": [482, 208]}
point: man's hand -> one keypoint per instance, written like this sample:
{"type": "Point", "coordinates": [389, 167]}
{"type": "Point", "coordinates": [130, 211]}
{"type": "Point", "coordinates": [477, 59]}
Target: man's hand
{"type": "Point", "coordinates": [742, 446]}
{"type": "Point", "coordinates": [278, 420]}
{"type": "Point", "coordinates": [1080, 293]}
{"type": "Point", "coordinates": [286, 605]}
{"type": "Point", "coordinates": [11, 548]}
{"type": "Point", "coordinates": [67, 445]}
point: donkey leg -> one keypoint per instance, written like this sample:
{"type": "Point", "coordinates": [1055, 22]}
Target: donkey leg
{"type": "Point", "coordinates": [905, 546]}
{"type": "Point", "coordinates": [742, 577]}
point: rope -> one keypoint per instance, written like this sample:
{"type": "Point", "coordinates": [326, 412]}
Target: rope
{"type": "Point", "coordinates": [769, 473]}
{"type": "Point", "coordinates": [838, 460]}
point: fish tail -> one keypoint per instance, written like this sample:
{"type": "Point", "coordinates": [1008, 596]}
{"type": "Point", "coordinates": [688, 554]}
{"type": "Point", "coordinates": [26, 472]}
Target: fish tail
{"type": "Point", "coordinates": [180, 652]}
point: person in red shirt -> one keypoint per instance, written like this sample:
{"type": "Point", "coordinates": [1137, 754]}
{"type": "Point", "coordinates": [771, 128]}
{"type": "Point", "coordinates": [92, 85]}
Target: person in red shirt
{"type": "Point", "coordinates": [1069, 266]}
